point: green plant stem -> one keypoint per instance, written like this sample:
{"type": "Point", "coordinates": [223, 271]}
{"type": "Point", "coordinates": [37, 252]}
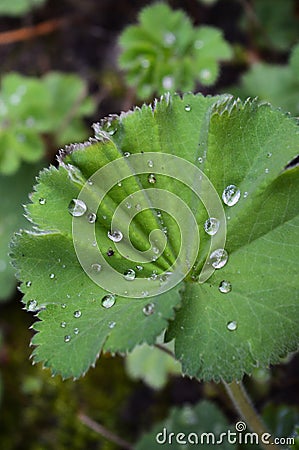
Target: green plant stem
{"type": "Point", "coordinates": [98, 428]}
{"type": "Point", "coordinates": [244, 406]}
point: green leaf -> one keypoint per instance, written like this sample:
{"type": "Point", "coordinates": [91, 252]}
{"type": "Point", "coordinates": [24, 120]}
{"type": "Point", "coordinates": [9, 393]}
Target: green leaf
{"type": "Point", "coordinates": [191, 425]}
{"type": "Point", "coordinates": [164, 52]}
{"type": "Point", "coordinates": [152, 365]}
{"type": "Point", "coordinates": [18, 7]}
{"type": "Point", "coordinates": [14, 191]}
{"type": "Point", "coordinates": [130, 179]}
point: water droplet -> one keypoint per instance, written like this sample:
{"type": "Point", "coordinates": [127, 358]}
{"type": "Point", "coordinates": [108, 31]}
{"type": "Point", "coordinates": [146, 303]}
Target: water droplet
{"type": "Point", "coordinates": [144, 293]}
{"type": "Point", "coordinates": [188, 108]}
{"type": "Point", "coordinates": [198, 44]}
{"type": "Point", "coordinates": [231, 195]}
{"type": "Point", "coordinates": [115, 236]}
{"type": "Point", "coordinates": [138, 207]}
{"type": "Point", "coordinates": [169, 39]}
{"type": "Point", "coordinates": [218, 258]}
{"type": "Point", "coordinates": [119, 184]}
{"type": "Point", "coordinates": [111, 324]}
{"type": "Point", "coordinates": [205, 74]}
{"type": "Point", "coordinates": [151, 178]}
{"type": "Point", "coordinates": [139, 267]}
{"type": "Point", "coordinates": [108, 301]}
{"type": "Point", "coordinates": [159, 214]}
{"type": "Point", "coordinates": [63, 306]}
{"type": "Point", "coordinates": [245, 195]}
{"type": "Point", "coordinates": [232, 325]}
{"type": "Point", "coordinates": [130, 275]}
{"type": "Point", "coordinates": [28, 284]}
{"type": "Point", "coordinates": [156, 250]}
{"type": "Point", "coordinates": [128, 205]}
{"type": "Point", "coordinates": [96, 267]}
{"type": "Point", "coordinates": [63, 324]}
{"type": "Point", "coordinates": [200, 159]}
{"type": "Point", "coordinates": [211, 226]}
{"type": "Point", "coordinates": [76, 331]}
{"type": "Point", "coordinates": [42, 201]}
{"type": "Point", "coordinates": [67, 338]}
{"type": "Point", "coordinates": [110, 252]}
{"type": "Point", "coordinates": [148, 309]}
{"type": "Point", "coordinates": [92, 217]}
{"type": "Point", "coordinates": [225, 287]}
{"type": "Point", "coordinates": [127, 154]}
{"type": "Point", "coordinates": [150, 163]}
{"type": "Point", "coordinates": [90, 182]}
{"type": "Point", "coordinates": [267, 170]}
{"type": "Point", "coordinates": [145, 63]}
{"type": "Point", "coordinates": [77, 208]}
{"type": "Point", "coordinates": [77, 314]}
{"type": "Point", "coordinates": [32, 305]}
{"type": "Point", "coordinates": [168, 82]}
{"type": "Point", "coordinates": [52, 275]}
{"type": "Point", "coordinates": [269, 154]}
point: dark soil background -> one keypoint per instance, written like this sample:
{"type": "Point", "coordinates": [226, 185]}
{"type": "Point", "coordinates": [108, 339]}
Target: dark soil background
{"type": "Point", "coordinates": [40, 412]}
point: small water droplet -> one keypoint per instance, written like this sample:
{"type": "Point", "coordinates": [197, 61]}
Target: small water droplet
{"type": "Point", "coordinates": [28, 284]}
{"type": "Point", "coordinates": [129, 275]}
{"type": "Point", "coordinates": [188, 108]}
{"type": "Point", "coordinates": [115, 236]}
{"type": "Point", "coordinates": [144, 293]}
{"type": "Point", "coordinates": [92, 217]}
{"type": "Point", "coordinates": [205, 74]}
{"type": "Point", "coordinates": [76, 331]}
{"type": "Point", "coordinates": [245, 195]}
{"type": "Point", "coordinates": [200, 160]}
{"type": "Point", "coordinates": [145, 63]}
{"type": "Point", "coordinates": [168, 82]}
{"type": "Point", "coordinates": [150, 163]}
{"type": "Point", "coordinates": [110, 252]}
{"type": "Point", "coordinates": [267, 170]}
{"type": "Point", "coordinates": [269, 154]}
{"type": "Point", "coordinates": [198, 44]}
{"type": "Point", "coordinates": [148, 309]}
{"type": "Point", "coordinates": [90, 182]}
{"type": "Point", "coordinates": [63, 306]}
{"type": "Point", "coordinates": [77, 208]}
{"type": "Point", "coordinates": [232, 325]}
{"type": "Point", "coordinates": [218, 258]}
{"type": "Point", "coordinates": [32, 305]}
{"type": "Point", "coordinates": [96, 267]}
{"type": "Point", "coordinates": [128, 205]}
{"type": "Point", "coordinates": [119, 184]}
{"type": "Point", "coordinates": [159, 214]}
{"type": "Point", "coordinates": [67, 338]}
{"type": "Point", "coordinates": [63, 324]}
{"type": "Point", "coordinates": [211, 226]}
{"type": "Point", "coordinates": [231, 195]}
{"type": "Point", "coordinates": [151, 178]}
{"type": "Point", "coordinates": [139, 267]}
{"type": "Point", "coordinates": [156, 250]}
{"type": "Point", "coordinates": [138, 207]}
{"type": "Point", "coordinates": [42, 201]}
{"type": "Point", "coordinates": [77, 314]}
{"type": "Point", "coordinates": [111, 324]}
{"type": "Point", "coordinates": [108, 301]}
{"type": "Point", "coordinates": [225, 287]}
{"type": "Point", "coordinates": [52, 276]}
{"type": "Point", "coordinates": [127, 154]}
{"type": "Point", "coordinates": [169, 39]}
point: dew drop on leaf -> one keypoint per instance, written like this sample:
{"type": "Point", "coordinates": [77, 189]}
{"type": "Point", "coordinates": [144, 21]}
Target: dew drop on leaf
{"type": "Point", "coordinates": [151, 178]}
{"type": "Point", "coordinates": [232, 325]}
{"type": "Point", "coordinates": [198, 44]}
{"type": "Point", "coordinates": [138, 267]}
{"type": "Point", "coordinates": [32, 305]}
{"type": "Point", "coordinates": [269, 154]}
{"type": "Point", "coordinates": [167, 82]}
{"type": "Point", "coordinates": [150, 163]}
{"type": "Point", "coordinates": [148, 309]}
{"type": "Point", "coordinates": [188, 108]}
{"type": "Point", "coordinates": [267, 170]}
{"type": "Point", "coordinates": [42, 201]}
{"type": "Point", "coordinates": [169, 39]}
{"type": "Point", "coordinates": [110, 252]}
{"type": "Point", "coordinates": [225, 287]}
{"type": "Point", "coordinates": [92, 217]}
{"type": "Point", "coordinates": [76, 330]}
{"type": "Point", "coordinates": [63, 324]}
{"type": "Point", "coordinates": [127, 154]}
{"type": "Point", "coordinates": [63, 306]}
{"type": "Point", "coordinates": [231, 195]}
{"type": "Point", "coordinates": [130, 275]}
{"type": "Point", "coordinates": [200, 159]}
{"type": "Point", "coordinates": [77, 208]}
{"type": "Point", "coordinates": [52, 276]}
{"type": "Point", "coordinates": [115, 236]}
{"type": "Point", "coordinates": [28, 284]}
{"type": "Point", "coordinates": [96, 267]}
{"type": "Point", "coordinates": [108, 301]}
{"type": "Point", "coordinates": [67, 338]}
{"type": "Point", "coordinates": [77, 314]}
{"type": "Point", "coordinates": [245, 195]}
{"type": "Point", "coordinates": [211, 226]}
{"type": "Point", "coordinates": [111, 324]}
{"type": "Point", "coordinates": [218, 258]}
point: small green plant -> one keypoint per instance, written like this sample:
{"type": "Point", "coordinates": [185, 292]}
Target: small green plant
{"type": "Point", "coordinates": [278, 84]}
{"type": "Point", "coordinates": [165, 52]}
{"type": "Point", "coordinates": [31, 108]}
{"type": "Point", "coordinates": [18, 7]}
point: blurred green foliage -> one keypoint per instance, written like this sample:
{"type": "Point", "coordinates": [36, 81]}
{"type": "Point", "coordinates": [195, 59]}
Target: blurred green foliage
{"type": "Point", "coordinates": [18, 7]}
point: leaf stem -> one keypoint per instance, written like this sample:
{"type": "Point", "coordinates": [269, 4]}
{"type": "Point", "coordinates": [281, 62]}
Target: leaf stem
{"type": "Point", "coordinates": [245, 408]}
{"type": "Point", "coordinates": [98, 428]}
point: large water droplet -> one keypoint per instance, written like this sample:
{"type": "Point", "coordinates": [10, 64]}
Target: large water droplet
{"type": "Point", "coordinates": [211, 226]}
{"type": "Point", "coordinates": [188, 108]}
{"type": "Point", "coordinates": [92, 217]}
{"type": "Point", "coordinates": [232, 325]}
{"type": "Point", "coordinates": [67, 338]}
{"type": "Point", "coordinates": [231, 195]}
{"type": "Point", "coordinates": [77, 314]}
{"type": "Point", "coordinates": [108, 301]}
{"type": "Point", "coordinates": [218, 258]}
{"type": "Point", "coordinates": [77, 208]}
{"type": "Point", "coordinates": [225, 287]}
{"type": "Point", "coordinates": [148, 309]}
{"type": "Point", "coordinates": [130, 275]}
{"type": "Point", "coordinates": [96, 267]}
{"type": "Point", "coordinates": [115, 236]}
{"type": "Point", "coordinates": [151, 178]}
{"type": "Point", "coordinates": [42, 201]}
